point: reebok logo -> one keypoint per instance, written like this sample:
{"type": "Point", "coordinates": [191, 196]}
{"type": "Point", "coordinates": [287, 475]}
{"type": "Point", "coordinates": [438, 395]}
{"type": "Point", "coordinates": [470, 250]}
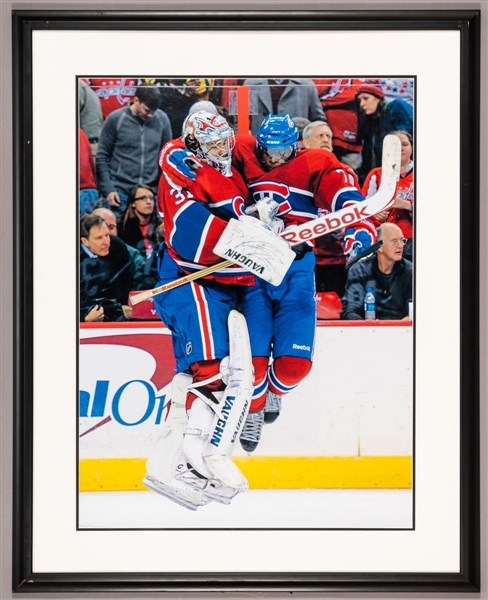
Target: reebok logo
{"type": "Point", "coordinates": [347, 216]}
{"type": "Point", "coordinates": [297, 347]}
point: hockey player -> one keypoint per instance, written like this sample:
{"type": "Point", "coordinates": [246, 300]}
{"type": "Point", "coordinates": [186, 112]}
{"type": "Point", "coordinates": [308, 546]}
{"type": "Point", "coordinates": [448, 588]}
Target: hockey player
{"type": "Point", "coordinates": [303, 185]}
{"type": "Point", "coordinates": [191, 462]}
{"type": "Point", "coordinates": [295, 187]}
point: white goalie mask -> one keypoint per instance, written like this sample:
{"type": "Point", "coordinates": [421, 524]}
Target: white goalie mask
{"type": "Point", "coordinates": [210, 138]}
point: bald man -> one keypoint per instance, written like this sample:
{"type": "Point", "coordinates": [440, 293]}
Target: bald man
{"type": "Point", "coordinates": [387, 273]}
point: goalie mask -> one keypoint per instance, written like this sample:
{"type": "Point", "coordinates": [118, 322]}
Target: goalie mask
{"type": "Point", "coordinates": [276, 140]}
{"type": "Point", "coordinates": [210, 138]}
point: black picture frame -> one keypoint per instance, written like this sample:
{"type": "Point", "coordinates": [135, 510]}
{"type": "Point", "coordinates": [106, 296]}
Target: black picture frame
{"type": "Point", "coordinates": [25, 579]}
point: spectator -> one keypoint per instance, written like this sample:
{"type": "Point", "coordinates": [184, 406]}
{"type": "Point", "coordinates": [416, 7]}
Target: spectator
{"type": "Point", "coordinates": [178, 95]}
{"type": "Point", "coordinates": [90, 114]}
{"type": "Point", "coordinates": [330, 260]}
{"type": "Point", "coordinates": [88, 187]}
{"type": "Point", "coordinates": [139, 225]}
{"type": "Point", "coordinates": [317, 134]}
{"type": "Point", "coordinates": [338, 99]}
{"type": "Point", "coordinates": [401, 211]}
{"type": "Point", "coordinates": [113, 92]}
{"type": "Point", "coordinates": [398, 88]}
{"type": "Point", "coordinates": [129, 147]}
{"type": "Point", "coordinates": [301, 123]}
{"type": "Point", "coordinates": [204, 105]}
{"type": "Point", "coordinates": [109, 217]}
{"type": "Point", "coordinates": [387, 273]}
{"type": "Point", "coordinates": [377, 118]}
{"type": "Point", "coordinates": [139, 267]}
{"type": "Point", "coordinates": [105, 278]}
{"type": "Point", "coordinates": [296, 97]}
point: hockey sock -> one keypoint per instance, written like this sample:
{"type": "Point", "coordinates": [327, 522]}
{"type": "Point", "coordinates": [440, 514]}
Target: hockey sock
{"type": "Point", "coordinates": [286, 372]}
{"type": "Point", "coordinates": [260, 364]}
{"type": "Point", "coordinates": [201, 371]}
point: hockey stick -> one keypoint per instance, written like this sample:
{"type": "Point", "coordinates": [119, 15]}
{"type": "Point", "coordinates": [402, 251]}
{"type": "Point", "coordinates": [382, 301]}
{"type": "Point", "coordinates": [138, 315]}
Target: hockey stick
{"type": "Point", "coordinates": [177, 282]}
{"type": "Point", "coordinates": [344, 217]}
{"type": "Point", "coordinates": [364, 254]}
{"type": "Point", "coordinates": [349, 215]}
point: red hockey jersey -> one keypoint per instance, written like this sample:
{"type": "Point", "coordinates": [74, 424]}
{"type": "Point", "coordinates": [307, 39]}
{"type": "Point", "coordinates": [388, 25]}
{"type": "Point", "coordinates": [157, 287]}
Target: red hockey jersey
{"type": "Point", "coordinates": [195, 217]}
{"type": "Point", "coordinates": [114, 92]}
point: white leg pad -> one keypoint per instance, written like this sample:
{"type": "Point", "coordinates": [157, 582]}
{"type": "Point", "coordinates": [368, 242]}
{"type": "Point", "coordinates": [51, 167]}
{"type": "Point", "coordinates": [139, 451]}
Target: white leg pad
{"type": "Point", "coordinates": [196, 434]}
{"type": "Point", "coordinates": [167, 455]}
{"type": "Point", "coordinates": [213, 429]}
{"type": "Point", "coordinates": [233, 408]}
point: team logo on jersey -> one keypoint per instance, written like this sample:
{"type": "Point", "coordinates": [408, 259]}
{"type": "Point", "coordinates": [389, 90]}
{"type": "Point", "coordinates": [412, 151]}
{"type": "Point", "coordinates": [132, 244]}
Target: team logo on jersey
{"type": "Point", "coordinates": [120, 89]}
{"type": "Point", "coordinates": [189, 348]}
{"type": "Point", "coordinates": [279, 192]}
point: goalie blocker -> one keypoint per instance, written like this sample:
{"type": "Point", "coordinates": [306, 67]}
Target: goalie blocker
{"type": "Point", "coordinates": [252, 244]}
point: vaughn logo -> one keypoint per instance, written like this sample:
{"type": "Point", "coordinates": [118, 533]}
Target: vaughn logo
{"type": "Point", "coordinates": [221, 423]}
{"type": "Point", "coordinates": [244, 260]}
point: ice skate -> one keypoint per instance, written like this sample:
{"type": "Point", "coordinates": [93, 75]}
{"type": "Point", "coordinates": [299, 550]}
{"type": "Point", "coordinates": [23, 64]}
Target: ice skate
{"type": "Point", "coordinates": [273, 407]}
{"type": "Point", "coordinates": [251, 432]}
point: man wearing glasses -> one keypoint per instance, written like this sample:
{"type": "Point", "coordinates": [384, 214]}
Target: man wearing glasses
{"type": "Point", "coordinates": [387, 273]}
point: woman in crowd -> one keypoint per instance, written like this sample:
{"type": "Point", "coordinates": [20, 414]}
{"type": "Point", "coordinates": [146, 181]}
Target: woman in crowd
{"type": "Point", "coordinates": [141, 226]}
{"type": "Point", "coordinates": [377, 117]}
{"type": "Point", "coordinates": [401, 212]}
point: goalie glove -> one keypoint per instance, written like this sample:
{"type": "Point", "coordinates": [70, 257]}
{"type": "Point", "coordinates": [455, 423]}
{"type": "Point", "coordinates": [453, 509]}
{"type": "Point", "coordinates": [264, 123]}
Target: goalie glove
{"type": "Point", "coordinates": [179, 166]}
{"type": "Point", "coordinates": [357, 239]}
{"type": "Point", "coordinates": [266, 210]}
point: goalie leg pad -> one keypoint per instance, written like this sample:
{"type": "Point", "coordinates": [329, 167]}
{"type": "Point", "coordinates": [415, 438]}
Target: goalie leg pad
{"type": "Point", "coordinates": [166, 456]}
{"type": "Point", "coordinates": [238, 375]}
{"type": "Point", "coordinates": [200, 424]}
{"type": "Point", "coordinates": [214, 428]}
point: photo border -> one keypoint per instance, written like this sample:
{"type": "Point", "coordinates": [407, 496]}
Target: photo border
{"type": "Point", "coordinates": [24, 23]}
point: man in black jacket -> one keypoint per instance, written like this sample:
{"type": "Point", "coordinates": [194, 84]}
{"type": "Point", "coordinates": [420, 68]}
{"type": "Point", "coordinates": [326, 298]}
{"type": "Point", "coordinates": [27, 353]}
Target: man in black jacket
{"type": "Point", "coordinates": [387, 273]}
{"type": "Point", "coordinates": [105, 273]}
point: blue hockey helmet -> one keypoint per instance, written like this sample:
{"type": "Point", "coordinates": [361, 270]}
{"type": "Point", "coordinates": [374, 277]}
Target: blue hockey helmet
{"type": "Point", "coordinates": [277, 140]}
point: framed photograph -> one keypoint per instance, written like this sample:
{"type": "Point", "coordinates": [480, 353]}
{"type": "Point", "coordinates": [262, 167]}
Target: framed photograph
{"type": "Point", "coordinates": [369, 478]}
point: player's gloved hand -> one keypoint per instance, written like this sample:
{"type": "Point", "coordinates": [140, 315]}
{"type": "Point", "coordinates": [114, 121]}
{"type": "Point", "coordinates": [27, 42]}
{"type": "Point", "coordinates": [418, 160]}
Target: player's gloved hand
{"type": "Point", "coordinates": [266, 210]}
{"type": "Point", "coordinates": [179, 165]}
{"type": "Point", "coordinates": [301, 249]}
{"type": "Point", "coordinates": [359, 238]}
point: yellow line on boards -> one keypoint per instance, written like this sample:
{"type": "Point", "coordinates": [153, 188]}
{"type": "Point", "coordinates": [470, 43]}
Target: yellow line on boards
{"type": "Point", "coordinates": [267, 472]}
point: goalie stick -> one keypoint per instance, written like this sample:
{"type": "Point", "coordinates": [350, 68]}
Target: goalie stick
{"type": "Point", "coordinates": [345, 217]}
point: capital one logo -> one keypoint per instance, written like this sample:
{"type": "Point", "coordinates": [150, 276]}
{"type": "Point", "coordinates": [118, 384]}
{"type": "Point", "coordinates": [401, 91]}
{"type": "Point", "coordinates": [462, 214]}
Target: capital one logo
{"type": "Point", "coordinates": [125, 378]}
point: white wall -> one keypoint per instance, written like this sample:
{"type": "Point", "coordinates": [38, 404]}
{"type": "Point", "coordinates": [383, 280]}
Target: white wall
{"type": "Point", "coordinates": [357, 400]}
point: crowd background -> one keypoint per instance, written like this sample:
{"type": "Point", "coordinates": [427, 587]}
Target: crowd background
{"type": "Point", "coordinates": [124, 122]}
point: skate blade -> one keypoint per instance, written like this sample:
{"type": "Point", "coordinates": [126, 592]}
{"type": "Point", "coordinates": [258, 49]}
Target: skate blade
{"type": "Point", "coordinates": [218, 493]}
{"type": "Point", "coordinates": [168, 492]}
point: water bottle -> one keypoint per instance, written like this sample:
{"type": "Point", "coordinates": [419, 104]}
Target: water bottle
{"type": "Point", "coordinates": [369, 305]}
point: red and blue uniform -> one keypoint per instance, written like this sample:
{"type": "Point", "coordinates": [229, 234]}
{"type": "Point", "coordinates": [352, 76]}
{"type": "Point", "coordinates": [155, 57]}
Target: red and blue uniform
{"type": "Point", "coordinates": [281, 319]}
{"type": "Point", "coordinates": [196, 313]}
